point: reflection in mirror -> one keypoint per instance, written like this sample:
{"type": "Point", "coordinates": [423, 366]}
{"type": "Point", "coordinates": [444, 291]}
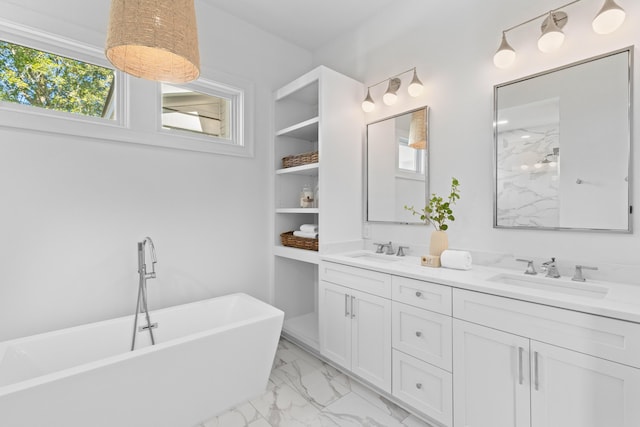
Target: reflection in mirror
{"type": "Point", "coordinates": [562, 147]}
{"type": "Point", "coordinates": [397, 166]}
{"type": "Point", "coordinates": [197, 112]}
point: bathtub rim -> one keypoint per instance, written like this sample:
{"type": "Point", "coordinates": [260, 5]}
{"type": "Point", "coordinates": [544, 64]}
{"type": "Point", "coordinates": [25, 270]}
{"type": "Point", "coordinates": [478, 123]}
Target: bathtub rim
{"type": "Point", "coordinates": [272, 312]}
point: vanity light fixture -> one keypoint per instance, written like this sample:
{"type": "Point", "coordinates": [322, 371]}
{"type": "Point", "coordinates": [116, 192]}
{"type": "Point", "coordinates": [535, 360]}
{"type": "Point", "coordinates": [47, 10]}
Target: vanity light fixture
{"type": "Point", "coordinates": [154, 39]}
{"type": "Point", "coordinates": [390, 97]}
{"type": "Point", "coordinates": [609, 18]}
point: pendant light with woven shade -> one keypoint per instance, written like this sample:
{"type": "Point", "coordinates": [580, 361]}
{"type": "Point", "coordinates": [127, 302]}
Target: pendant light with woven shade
{"type": "Point", "coordinates": [154, 39]}
{"type": "Point", "coordinates": [418, 130]}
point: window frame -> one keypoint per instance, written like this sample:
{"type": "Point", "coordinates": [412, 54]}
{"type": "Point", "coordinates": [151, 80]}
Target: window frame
{"type": "Point", "coordinates": [236, 98]}
{"type": "Point", "coordinates": [138, 103]}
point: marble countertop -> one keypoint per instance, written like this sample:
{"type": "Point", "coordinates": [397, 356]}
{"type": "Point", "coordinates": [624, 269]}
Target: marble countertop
{"type": "Point", "coordinates": [622, 301]}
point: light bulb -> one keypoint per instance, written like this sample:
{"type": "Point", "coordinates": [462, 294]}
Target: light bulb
{"type": "Point", "coordinates": [537, 165]}
{"type": "Point", "coordinates": [505, 55]}
{"type": "Point", "coordinates": [368, 105]}
{"type": "Point", "coordinates": [609, 19]}
{"type": "Point", "coordinates": [390, 97]}
{"type": "Point", "coordinates": [415, 87]}
{"type": "Point", "coordinates": [524, 167]}
{"type": "Point", "coordinates": [552, 36]}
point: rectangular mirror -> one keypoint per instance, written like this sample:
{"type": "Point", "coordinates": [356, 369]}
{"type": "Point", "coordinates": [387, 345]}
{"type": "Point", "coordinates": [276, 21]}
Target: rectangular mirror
{"type": "Point", "coordinates": [397, 164]}
{"type": "Point", "coordinates": [562, 147]}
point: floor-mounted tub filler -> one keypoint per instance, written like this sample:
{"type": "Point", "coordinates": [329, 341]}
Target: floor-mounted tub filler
{"type": "Point", "coordinates": [209, 356]}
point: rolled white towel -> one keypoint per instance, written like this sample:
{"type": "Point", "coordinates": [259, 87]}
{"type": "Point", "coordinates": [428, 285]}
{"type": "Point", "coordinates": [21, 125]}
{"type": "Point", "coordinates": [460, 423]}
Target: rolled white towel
{"type": "Point", "coordinates": [459, 260]}
{"type": "Point", "coordinates": [305, 235]}
{"type": "Point", "coordinates": [309, 228]}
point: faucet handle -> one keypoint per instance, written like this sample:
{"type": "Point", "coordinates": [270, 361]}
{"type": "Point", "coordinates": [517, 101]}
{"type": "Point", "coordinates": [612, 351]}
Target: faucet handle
{"type": "Point", "coordinates": [577, 276]}
{"type": "Point", "coordinates": [380, 247]}
{"type": "Point", "coordinates": [401, 250]}
{"type": "Point", "coordinates": [530, 268]}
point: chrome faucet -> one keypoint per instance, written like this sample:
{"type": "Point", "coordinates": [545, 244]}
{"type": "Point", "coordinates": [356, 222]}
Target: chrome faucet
{"type": "Point", "coordinates": [577, 276]}
{"type": "Point", "coordinates": [551, 268]}
{"type": "Point", "coordinates": [381, 246]}
{"type": "Point", "coordinates": [531, 270]}
{"type": "Point", "coordinates": [141, 305]}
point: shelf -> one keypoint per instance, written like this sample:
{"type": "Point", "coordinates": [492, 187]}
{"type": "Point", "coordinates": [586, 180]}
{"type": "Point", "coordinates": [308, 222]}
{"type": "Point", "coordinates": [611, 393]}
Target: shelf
{"type": "Point", "coordinates": [306, 130]}
{"type": "Point", "coordinates": [308, 169]}
{"type": "Point", "coordinates": [305, 329]}
{"type": "Point", "coordinates": [298, 210]}
{"type": "Point", "coordinates": [311, 257]}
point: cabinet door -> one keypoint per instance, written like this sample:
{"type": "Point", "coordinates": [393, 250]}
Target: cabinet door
{"type": "Point", "coordinates": [371, 339]}
{"type": "Point", "coordinates": [334, 313]}
{"type": "Point", "coordinates": [571, 389]}
{"type": "Point", "coordinates": [490, 377]}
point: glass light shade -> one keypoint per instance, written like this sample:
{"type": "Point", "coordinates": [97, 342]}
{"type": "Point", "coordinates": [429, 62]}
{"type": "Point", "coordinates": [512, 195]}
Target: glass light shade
{"type": "Point", "coordinates": [505, 55]}
{"type": "Point", "coordinates": [415, 87]}
{"type": "Point", "coordinates": [389, 98]}
{"type": "Point", "coordinates": [552, 37]}
{"type": "Point", "coordinates": [609, 19]}
{"type": "Point", "coordinates": [154, 40]}
{"type": "Point", "coordinates": [368, 105]}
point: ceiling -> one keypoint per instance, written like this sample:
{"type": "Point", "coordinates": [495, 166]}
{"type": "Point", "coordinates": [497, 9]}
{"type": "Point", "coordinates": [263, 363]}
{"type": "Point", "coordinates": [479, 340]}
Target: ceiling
{"type": "Point", "coordinates": [306, 23]}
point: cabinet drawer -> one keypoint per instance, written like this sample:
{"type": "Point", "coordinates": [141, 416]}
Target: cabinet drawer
{"type": "Point", "coordinates": [423, 386]}
{"type": "Point", "coordinates": [422, 294]}
{"type": "Point", "coordinates": [356, 278]}
{"type": "Point", "coordinates": [611, 339]}
{"type": "Point", "coordinates": [422, 334]}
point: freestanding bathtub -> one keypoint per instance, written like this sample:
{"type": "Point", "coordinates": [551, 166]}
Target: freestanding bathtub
{"type": "Point", "coordinates": [209, 355]}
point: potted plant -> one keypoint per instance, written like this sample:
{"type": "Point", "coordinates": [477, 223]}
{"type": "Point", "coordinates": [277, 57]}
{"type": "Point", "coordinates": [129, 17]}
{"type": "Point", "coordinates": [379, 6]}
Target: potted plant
{"type": "Point", "coordinates": [438, 212]}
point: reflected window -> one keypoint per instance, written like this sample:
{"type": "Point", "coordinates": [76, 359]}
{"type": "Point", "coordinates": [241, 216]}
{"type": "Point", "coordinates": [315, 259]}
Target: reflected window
{"type": "Point", "coordinates": [409, 159]}
{"type": "Point", "coordinates": [200, 111]}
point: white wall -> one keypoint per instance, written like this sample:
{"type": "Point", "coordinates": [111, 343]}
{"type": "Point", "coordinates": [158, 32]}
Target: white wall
{"type": "Point", "coordinates": [73, 209]}
{"type": "Point", "coordinates": [452, 44]}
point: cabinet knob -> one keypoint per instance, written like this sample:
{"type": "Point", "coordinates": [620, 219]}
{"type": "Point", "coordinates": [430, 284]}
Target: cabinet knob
{"type": "Point", "coordinates": [418, 333]}
{"type": "Point", "coordinates": [419, 386]}
{"type": "Point", "coordinates": [418, 294]}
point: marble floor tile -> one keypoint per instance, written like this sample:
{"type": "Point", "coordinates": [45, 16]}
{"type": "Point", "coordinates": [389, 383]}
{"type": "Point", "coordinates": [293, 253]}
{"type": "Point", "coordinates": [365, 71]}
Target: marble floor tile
{"type": "Point", "coordinates": [319, 385]}
{"type": "Point", "coordinates": [352, 410]}
{"type": "Point", "coordinates": [380, 402]}
{"type": "Point", "coordinates": [242, 416]}
{"type": "Point", "coordinates": [282, 406]}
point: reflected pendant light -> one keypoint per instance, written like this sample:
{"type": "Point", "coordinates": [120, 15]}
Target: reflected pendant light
{"type": "Point", "coordinates": [154, 39]}
{"type": "Point", "coordinates": [418, 130]}
{"type": "Point", "coordinates": [552, 36]}
{"type": "Point", "coordinates": [390, 96]}
{"type": "Point", "coordinates": [609, 19]}
{"type": "Point", "coordinates": [368, 105]}
{"type": "Point", "coordinates": [505, 55]}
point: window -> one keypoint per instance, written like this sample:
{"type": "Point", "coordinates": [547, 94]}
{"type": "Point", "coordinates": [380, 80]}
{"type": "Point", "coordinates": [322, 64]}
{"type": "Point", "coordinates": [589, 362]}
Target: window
{"type": "Point", "coordinates": [45, 80]}
{"type": "Point", "coordinates": [204, 109]}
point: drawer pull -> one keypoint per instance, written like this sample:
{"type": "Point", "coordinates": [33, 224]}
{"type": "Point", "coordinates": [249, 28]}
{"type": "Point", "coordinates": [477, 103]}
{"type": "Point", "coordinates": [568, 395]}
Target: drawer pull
{"type": "Point", "coordinates": [353, 312]}
{"type": "Point", "coordinates": [418, 334]}
{"type": "Point", "coordinates": [419, 294]}
{"type": "Point", "coordinates": [419, 386]}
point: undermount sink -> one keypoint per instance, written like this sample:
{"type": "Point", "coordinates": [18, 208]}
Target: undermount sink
{"type": "Point", "coordinates": [561, 286]}
{"type": "Point", "coordinates": [368, 256]}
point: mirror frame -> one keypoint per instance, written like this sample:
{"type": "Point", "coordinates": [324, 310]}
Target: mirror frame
{"type": "Point", "coordinates": [629, 50]}
{"type": "Point", "coordinates": [366, 168]}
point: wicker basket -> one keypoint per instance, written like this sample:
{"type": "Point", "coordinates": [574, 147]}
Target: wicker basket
{"type": "Point", "coordinates": [288, 239]}
{"type": "Point", "coordinates": [300, 159]}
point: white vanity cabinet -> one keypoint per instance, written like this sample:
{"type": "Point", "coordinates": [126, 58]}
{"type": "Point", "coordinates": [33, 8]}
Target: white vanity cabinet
{"type": "Point", "coordinates": [354, 312]}
{"type": "Point", "coordinates": [527, 366]}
